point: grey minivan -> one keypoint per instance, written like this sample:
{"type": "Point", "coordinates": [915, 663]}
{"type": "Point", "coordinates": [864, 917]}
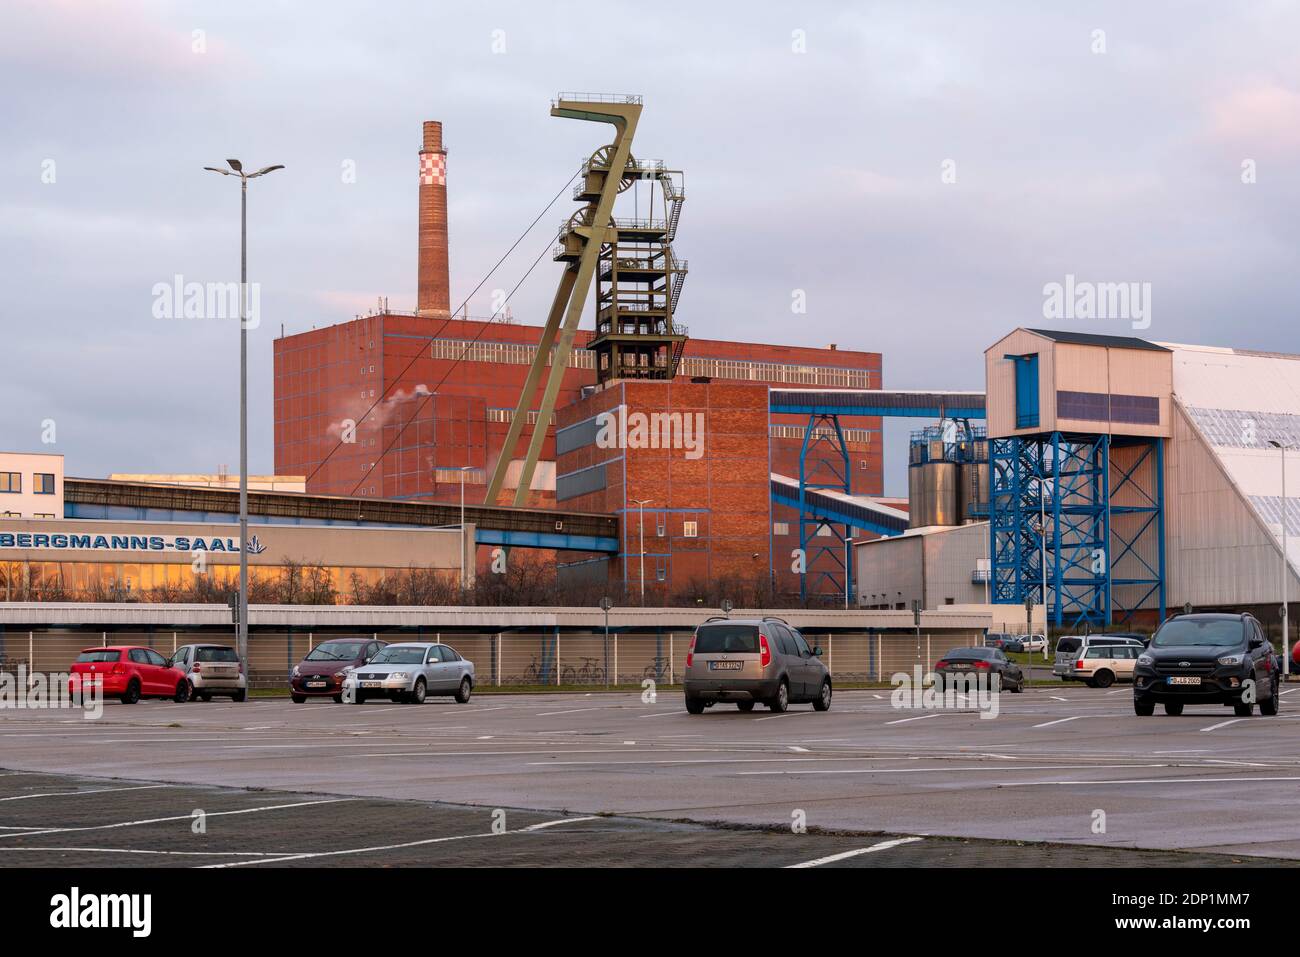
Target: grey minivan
{"type": "Point", "coordinates": [752, 660]}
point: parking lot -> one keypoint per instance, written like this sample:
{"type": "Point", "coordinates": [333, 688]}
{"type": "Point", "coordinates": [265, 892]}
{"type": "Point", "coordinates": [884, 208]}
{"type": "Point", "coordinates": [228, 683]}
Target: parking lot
{"type": "Point", "coordinates": [608, 779]}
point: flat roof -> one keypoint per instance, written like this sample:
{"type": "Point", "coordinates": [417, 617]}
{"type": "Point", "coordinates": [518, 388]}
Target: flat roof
{"type": "Point", "coordinates": [1097, 339]}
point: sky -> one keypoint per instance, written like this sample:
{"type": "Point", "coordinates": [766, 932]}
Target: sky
{"type": "Point", "coordinates": [917, 173]}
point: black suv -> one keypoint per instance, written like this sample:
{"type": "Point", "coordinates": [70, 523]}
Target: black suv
{"type": "Point", "coordinates": [1207, 659]}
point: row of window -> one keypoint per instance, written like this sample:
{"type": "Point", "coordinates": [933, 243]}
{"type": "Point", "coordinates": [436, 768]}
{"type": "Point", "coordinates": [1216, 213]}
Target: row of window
{"type": "Point", "coordinates": [511, 353]}
{"type": "Point", "coordinates": [42, 482]}
{"type": "Point", "coordinates": [690, 529]}
{"type": "Point", "coordinates": [821, 432]}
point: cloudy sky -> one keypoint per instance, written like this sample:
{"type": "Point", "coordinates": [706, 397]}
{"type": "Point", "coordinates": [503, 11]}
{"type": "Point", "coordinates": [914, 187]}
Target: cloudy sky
{"type": "Point", "coordinates": [920, 170]}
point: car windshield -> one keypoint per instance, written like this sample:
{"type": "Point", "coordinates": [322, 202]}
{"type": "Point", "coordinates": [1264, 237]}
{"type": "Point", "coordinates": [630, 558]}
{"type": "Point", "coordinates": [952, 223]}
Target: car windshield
{"type": "Point", "coordinates": [335, 651]}
{"type": "Point", "coordinates": [721, 639]}
{"type": "Point", "coordinates": [98, 655]}
{"type": "Point", "coordinates": [1199, 632]}
{"type": "Point", "coordinates": [399, 655]}
{"type": "Point", "coordinates": [970, 654]}
{"type": "Point", "coordinates": [216, 654]}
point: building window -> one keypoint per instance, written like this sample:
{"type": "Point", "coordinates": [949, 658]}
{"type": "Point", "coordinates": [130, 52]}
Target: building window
{"type": "Point", "coordinates": [690, 529]}
{"type": "Point", "coordinates": [780, 528]}
{"type": "Point", "coordinates": [39, 515]}
{"type": "Point", "coordinates": [11, 481]}
{"type": "Point", "coordinates": [44, 483]}
{"type": "Point", "coordinates": [13, 514]}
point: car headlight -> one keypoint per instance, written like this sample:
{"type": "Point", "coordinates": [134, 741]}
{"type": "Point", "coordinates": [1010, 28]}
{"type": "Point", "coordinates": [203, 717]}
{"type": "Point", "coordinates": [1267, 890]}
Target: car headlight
{"type": "Point", "coordinates": [296, 671]}
{"type": "Point", "coordinates": [346, 670]}
{"type": "Point", "coordinates": [399, 675]}
{"type": "Point", "coordinates": [1232, 659]}
{"type": "Point", "coordinates": [1146, 660]}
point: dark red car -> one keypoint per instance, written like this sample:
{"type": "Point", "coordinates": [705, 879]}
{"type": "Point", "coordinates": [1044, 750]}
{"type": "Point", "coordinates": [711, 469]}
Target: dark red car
{"type": "Point", "coordinates": [321, 673]}
{"type": "Point", "coordinates": [128, 673]}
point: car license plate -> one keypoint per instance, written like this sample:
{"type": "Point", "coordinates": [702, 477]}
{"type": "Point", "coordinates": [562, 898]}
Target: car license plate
{"type": "Point", "coordinates": [372, 684]}
{"type": "Point", "coordinates": [725, 665]}
{"type": "Point", "coordinates": [1183, 680]}
{"type": "Point", "coordinates": [317, 684]}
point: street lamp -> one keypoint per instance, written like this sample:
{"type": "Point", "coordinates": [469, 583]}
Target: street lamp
{"type": "Point", "coordinates": [1286, 650]}
{"type": "Point", "coordinates": [463, 469]}
{"type": "Point", "coordinates": [237, 169]}
{"type": "Point", "coordinates": [641, 504]}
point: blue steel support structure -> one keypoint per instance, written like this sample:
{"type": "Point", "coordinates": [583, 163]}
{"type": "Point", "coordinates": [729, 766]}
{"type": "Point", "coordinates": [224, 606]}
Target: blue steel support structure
{"type": "Point", "coordinates": [831, 471]}
{"type": "Point", "coordinates": [1063, 500]}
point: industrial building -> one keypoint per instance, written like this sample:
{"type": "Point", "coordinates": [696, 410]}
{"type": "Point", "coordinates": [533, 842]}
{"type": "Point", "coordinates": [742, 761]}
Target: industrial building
{"type": "Point", "coordinates": [1126, 478]}
{"type": "Point", "coordinates": [423, 405]}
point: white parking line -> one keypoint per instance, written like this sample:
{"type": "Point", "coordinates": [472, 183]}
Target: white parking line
{"type": "Point", "coordinates": [1224, 724]}
{"type": "Point", "coordinates": [394, 847]}
{"type": "Point", "coordinates": [1048, 724]}
{"type": "Point", "coordinates": [784, 714]}
{"type": "Point", "coordinates": [661, 714]}
{"type": "Point", "coordinates": [55, 794]}
{"type": "Point", "coordinates": [882, 846]}
{"type": "Point", "coordinates": [1236, 780]}
{"type": "Point", "coordinates": [551, 714]}
{"type": "Point", "coordinates": [982, 770]}
{"type": "Point", "coordinates": [182, 817]}
{"type": "Point", "coordinates": [919, 717]}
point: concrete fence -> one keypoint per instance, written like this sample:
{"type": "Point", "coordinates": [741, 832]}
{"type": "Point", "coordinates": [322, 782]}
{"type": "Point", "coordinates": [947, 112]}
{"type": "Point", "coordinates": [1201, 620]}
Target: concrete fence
{"type": "Point", "coordinates": [504, 659]}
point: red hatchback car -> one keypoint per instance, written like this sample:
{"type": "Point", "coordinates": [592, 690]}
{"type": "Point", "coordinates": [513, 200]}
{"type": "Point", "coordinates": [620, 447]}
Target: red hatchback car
{"type": "Point", "coordinates": [128, 673]}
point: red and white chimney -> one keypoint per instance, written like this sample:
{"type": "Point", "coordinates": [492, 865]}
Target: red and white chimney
{"type": "Point", "coordinates": [433, 293]}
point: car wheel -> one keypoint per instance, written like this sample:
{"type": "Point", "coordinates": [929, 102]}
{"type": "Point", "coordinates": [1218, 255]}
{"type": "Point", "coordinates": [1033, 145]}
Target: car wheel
{"type": "Point", "coordinates": [418, 693]}
{"type": "Point", "coordinates": [745, 706]}
{"type": "Point", "coordinates": [337, 699]}
{"type": "Point", "coordinates": [205, 696]}
{"type": "Point", "coordinates": [1020, 686]}
{"type": "Point", "coordinates": [781, 702]}
{"type": "Point", "coordinates": [1103, 679]}
{"type": "Point", "coordinates": [1144, 709]}
{"type": "Point", "coordinates": [300, 698]}
{"type": "Point", "coordinates": [1174, 708]}
{"type": "Point", "coordinates": [190, 689]}
{"type": "Point", "coordinates": [823, 700]}
{"type": "Point", "coordinates": [358, 697]}
{"type": "Point", "coordinates": [464, 691]}
{"type": "Point", "coordinates": [694, 705]}
{"type": "Point", "coordinates": [1243, 709]}
{"type": "Point", "coordinates": [182, 692]}
{"type": "Point", "coordinates": [239, 695]}
{"type": "Point", "coordinates": [132, 693]}
{"type": "Point", "coordinates": [1270, 707]}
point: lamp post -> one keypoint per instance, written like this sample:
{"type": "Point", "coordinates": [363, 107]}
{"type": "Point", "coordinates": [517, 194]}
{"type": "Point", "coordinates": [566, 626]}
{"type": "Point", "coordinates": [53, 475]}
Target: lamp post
{"type": "Point", "coordinates": [1286, 650]}
{"type": "Point", "coordinates": [641, 504]}
{"type": "Point", "coordinates": [237, 169]}
{"type": "Point", "coordinates": [606, 604]}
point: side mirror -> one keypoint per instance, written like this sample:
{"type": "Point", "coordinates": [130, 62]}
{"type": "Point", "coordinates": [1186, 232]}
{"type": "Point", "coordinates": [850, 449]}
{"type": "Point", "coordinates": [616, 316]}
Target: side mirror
{"type": "Point", "coordinates": [1256, 641]}
{"type": "Point", "coordinates": [817, 651]}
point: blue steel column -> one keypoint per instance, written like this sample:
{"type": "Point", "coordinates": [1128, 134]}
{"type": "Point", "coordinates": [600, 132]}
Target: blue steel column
{"type": "Point", "coordinates": [1056, 528]}
{"type": "Point", "coordinates": [1160, 518]}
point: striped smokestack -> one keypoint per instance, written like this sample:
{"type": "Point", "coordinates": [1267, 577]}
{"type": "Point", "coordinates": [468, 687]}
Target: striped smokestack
{"type": "Point", "coordinates": [433, 294]}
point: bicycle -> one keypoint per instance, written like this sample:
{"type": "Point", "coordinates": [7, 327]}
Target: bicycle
{"type": "Point", "coordinates": [657, 669]}
{"type": "Point", "coordinates": [589, 673]}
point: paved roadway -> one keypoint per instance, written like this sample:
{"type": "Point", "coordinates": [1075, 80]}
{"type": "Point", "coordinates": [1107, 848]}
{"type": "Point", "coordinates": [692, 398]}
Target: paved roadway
{"type": "Point", "coordinates": [658, 786]}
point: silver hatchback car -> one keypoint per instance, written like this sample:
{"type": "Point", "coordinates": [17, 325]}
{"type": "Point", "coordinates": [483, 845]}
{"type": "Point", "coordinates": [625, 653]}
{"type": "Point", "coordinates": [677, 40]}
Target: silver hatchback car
{"type": "Point", "coordinates": [753, 660]}
{"type": "Point", "coordinates": [409, 672]}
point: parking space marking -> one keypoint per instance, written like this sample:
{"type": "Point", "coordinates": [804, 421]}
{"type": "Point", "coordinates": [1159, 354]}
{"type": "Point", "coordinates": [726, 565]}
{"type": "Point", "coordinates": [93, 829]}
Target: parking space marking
{"type": "Point", "coordinates": [131, 850]}
{"type": "Point", "coordinates": [1224, 724]}
{"type": "Point", "coordinates": [661, 714]}
{"type": "Point", "coordinates": [182, 817]}
{"type": "Point", "coordinates": [51, 794]}
{"type": "Point", "coordinates": [882, 846]}
{"type": "Point", "coordinates": [551, 714]}
{"type": "Point", "coordinates": [982, 770]}
{"type": "Point", "coordinates": [395, 847]}
{"type": "Point", "coordinates": [919, 717]}
{"type": "Point", "coordinates": [1239, 780]}
{"type": "Point", "coordinates": [784, 714]}
{"type": "Point", "coordinates": [1048, 724]}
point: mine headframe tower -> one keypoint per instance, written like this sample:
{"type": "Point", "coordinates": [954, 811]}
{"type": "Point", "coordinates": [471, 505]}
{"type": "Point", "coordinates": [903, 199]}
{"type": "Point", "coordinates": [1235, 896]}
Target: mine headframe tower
{"type": "Point", "coordinates": [638, 278]}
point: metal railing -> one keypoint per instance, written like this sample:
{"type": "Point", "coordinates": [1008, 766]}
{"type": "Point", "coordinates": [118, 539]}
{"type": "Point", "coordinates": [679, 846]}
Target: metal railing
{"type": "Point", "coordinates": [576, 97]}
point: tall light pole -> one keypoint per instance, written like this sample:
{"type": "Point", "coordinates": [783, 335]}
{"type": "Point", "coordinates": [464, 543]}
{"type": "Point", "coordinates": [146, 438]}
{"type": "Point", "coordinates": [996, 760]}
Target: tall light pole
{"type": "Point", "coordinates": [1286, 572]}
{"type": "Point", "coordinates": [641, 504]}
{"type": "Point", "coordinates": [237, 169]}
{"type": "Point", "coordinates": [463, 470]}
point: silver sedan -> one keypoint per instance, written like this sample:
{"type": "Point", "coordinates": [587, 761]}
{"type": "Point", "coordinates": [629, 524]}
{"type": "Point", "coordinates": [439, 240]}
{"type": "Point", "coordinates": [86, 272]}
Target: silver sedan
{"type": "Point", "coordinates": [410, 672]}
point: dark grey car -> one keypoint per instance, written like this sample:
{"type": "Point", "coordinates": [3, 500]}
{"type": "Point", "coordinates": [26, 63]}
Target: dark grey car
{"type": "Point", "coordinates": [753, 660]}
